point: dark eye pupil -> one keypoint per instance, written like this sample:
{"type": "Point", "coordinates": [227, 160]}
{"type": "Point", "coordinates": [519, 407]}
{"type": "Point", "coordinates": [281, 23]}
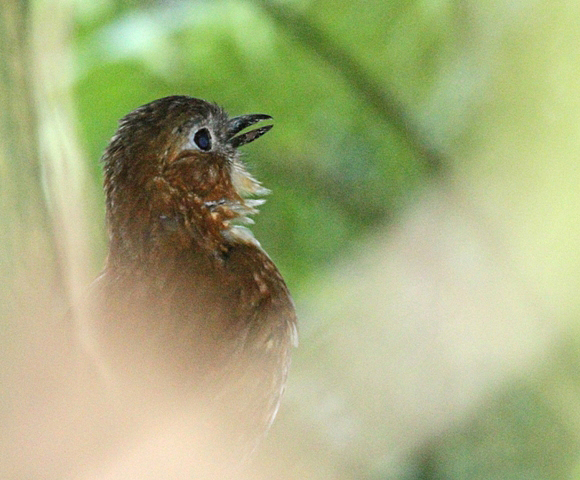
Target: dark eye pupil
{"type": "Point", "coordinates": [202, 139]}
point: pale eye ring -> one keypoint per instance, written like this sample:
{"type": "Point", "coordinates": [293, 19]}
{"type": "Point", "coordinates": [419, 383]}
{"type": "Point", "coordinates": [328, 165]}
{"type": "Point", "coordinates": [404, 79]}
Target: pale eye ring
{"type": "Point", "coordinates": [202, 139]}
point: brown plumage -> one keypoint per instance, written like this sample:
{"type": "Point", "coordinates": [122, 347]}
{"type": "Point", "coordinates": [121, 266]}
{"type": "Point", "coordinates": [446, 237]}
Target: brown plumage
{"type": "Point", "coordinates": [189, 306]}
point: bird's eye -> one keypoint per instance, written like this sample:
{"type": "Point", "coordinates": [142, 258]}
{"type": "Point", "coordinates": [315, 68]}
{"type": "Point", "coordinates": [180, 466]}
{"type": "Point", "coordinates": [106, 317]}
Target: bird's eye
{"type": "Point", "coordinates": [202, 139]}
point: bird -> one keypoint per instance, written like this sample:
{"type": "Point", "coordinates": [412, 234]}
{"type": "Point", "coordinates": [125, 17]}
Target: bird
{"type": "Point", "coordinates": [189, 307]}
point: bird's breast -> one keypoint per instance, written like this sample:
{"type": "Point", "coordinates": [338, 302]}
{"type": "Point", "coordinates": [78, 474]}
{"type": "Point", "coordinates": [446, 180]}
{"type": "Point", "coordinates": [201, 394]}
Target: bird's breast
{"type": "Point", "coordinates": [196, 313]}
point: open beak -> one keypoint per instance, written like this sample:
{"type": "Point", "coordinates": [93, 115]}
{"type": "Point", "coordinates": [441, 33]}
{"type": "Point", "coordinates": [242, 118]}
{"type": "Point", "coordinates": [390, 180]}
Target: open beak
{"type": "Point", "coordinates": [237, 124]}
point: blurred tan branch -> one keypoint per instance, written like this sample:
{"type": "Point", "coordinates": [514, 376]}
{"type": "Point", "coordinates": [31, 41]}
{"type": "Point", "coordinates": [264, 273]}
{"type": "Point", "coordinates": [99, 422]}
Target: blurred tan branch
{"type": "Point", "coordinates": [23, 211]}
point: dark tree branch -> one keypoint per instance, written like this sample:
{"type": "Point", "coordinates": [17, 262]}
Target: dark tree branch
{"type": "Point", "coordinates": [384, 102]}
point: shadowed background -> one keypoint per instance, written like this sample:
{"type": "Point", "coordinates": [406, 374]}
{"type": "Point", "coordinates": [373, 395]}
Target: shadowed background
{"type": "Point", "coordinates": [424, 169]}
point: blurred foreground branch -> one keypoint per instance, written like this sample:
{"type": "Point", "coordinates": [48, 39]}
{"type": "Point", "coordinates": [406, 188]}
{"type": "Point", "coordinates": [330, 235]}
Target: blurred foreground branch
{"type": "Point", "coordinates": [23, 211]}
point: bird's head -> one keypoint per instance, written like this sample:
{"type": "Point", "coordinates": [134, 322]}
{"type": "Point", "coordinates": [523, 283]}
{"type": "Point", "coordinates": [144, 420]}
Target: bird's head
{"type": "Point", "coordinates": [174, 177]}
